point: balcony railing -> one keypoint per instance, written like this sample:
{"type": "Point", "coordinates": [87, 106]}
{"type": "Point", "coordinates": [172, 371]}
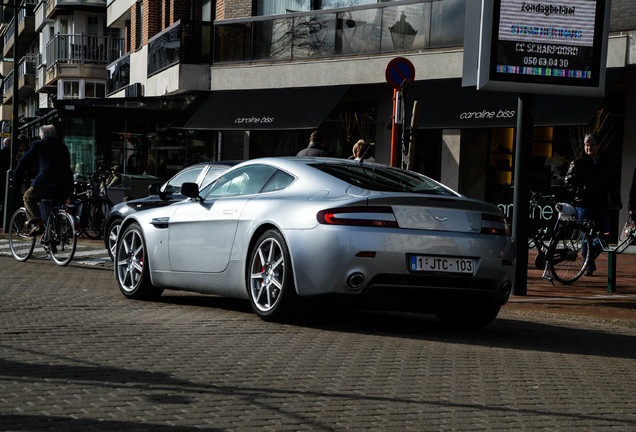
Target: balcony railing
{"type": "Point", "coordinates": [187, 42]}
{"type": "Point", "coordinates": [8, 35]}
{"type": "Point", "coordinates": [118, 74]}
{"type": "Point", "coordinates": [384, 27]}
{"type": "Point", "coordinates": [80, 48]}
{"type": "Point", "coordinates": [27, 65]}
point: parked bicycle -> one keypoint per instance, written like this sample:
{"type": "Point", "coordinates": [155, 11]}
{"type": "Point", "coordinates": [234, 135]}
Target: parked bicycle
{"type": "Point", "coordinates": [570, 248]}
{"type": "Point", "coordinates": [59, 238]}
{"type": "Point", "coordinates": [94, 204]}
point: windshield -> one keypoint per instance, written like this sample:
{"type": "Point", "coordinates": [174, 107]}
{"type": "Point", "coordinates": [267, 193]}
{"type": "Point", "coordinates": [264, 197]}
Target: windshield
{"type": "Point", "coordinates": [386, 179]}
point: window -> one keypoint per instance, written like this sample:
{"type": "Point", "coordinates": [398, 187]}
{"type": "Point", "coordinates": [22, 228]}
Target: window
{"type": "Point", "coordinates": [70, 90]}
{"type": "Point", "coordinates": [140, 24]}
{"type": "Point", "coordinates": [206, 11]}
{"type": "Point", "coordinates": [245, 181]}
{"type": "Point", "coordinates": [187, 176]}
{"type": "Point", "coordinates": [91, 26]}
{"type": "Point", "coordinates": [94, 90]}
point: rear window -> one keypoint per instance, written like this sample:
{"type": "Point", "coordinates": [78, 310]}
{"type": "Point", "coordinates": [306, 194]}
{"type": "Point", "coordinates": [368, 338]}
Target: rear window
{"type": "Point", "coordinates": [385, 179]}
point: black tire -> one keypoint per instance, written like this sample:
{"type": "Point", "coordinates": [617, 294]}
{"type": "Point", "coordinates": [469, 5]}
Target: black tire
{"type": "Point", "coordinates": [110, 237]}
{"type": "Point", "coordinates": [566, 261]}
{"type": "Point", "coordinates": [63, 241]}
{"type": "Point", "coordinates": [132, 267]}
{"type": "Point", "coordinates": [19, 241]}
{"type": "Point", "coordinates": [270, 283]}
{"type": "Point", "coordinates": [467, 313]}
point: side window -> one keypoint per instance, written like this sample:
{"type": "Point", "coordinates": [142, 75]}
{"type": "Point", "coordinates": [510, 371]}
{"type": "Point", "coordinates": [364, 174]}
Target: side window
{"type": "Point", "coordinates": [245, 181]}
{"type": "Point", "coordinates": [279, 181]}
{"type": "Point", "coordinates": [212, 174]}
{"type": "Point", "coordinates": [174, 184]}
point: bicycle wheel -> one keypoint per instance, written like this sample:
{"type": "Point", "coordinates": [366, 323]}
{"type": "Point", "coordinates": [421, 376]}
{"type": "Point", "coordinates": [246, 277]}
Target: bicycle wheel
{"type": "Point", "coordinates": [565, 256]}
{"type": "Point", "coordinates": [21, 243]}
{"type": "Point", "coordinates": [63, 239]}
{"type": "Point", "coordinates": [97, 216]}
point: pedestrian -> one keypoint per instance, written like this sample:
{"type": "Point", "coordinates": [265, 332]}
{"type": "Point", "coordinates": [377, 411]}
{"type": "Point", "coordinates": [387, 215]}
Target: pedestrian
{"type": "Point", "coordinates": [362, 151]}
{"type": "Point", "coordinates": [594, 190]}
{"type": "Point", "coordinates": [631, 206]}
{"type": "Point", "coordinates": [316, 146]}
{"type": "Point", "coordinates": [54, 178]}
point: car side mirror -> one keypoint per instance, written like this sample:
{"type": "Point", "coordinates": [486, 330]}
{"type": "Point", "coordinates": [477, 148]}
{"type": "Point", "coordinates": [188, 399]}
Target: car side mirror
{"type": "Point", "coordinates": [191, 190]}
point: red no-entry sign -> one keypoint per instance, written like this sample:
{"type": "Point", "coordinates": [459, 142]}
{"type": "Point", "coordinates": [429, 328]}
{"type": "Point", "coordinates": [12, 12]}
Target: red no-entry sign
{"type": "Point", "coordinates": [398, 71]}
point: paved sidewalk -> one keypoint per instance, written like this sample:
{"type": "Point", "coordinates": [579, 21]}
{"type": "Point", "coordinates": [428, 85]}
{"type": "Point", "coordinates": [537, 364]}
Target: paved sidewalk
{"type": "Point", "coordinates": [589, 296]}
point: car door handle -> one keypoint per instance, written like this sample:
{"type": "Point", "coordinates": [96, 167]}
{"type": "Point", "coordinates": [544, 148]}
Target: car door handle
{"type": "Point", "coordinates": [160, 222]}
{"type": "Point", "coordinates": [229, 211]}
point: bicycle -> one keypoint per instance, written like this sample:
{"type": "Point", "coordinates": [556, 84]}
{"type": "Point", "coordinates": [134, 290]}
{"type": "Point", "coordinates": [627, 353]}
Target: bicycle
{"type": "Point", "coordinates": [93, 206]}
{"type": "Point", "coordinates": [539, 230]}
{"type": "Point", "coordinates": [59, 238]}
{"type": "Point", "coordinates": [571, 246]}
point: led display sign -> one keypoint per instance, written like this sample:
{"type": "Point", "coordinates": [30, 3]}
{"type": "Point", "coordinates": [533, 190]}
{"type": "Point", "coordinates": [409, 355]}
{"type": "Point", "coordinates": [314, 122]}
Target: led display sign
{"type": "Point", "coordinates": [544, 46]}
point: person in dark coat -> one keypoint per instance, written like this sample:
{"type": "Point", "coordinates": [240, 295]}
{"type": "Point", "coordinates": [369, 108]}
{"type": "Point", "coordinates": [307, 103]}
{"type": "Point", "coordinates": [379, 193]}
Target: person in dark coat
{"type": "Point", "coordinates": [54, 178]}
{"type": "Point", "coordinates": [594, 189]}
{"type": "Point", "coordinates": [316, 146]}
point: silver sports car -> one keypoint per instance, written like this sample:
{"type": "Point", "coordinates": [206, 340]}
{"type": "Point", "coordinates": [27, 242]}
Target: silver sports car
{"type": "Point", "coordinates": [281, 231]}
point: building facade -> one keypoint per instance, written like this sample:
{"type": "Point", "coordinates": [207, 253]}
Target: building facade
{"type": "Point", "coordinates": [189, 80]}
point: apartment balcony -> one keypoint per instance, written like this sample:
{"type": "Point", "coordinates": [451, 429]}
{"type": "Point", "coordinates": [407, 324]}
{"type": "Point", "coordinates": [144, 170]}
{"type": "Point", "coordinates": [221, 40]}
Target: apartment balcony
{"type": "Point", "coordinates": [79, 56]}
{"type": "Point", "coordinates": [26, 33]}
{"type": "Point", "coordinates": [7, 89]}
{"type": "Point", "coordinates": [356, 31]}
{"type": "Point", "coordinates": [40, 15]}
{"type": "Point", "coordinates": [118, 12]}
{"type": "Point", "coordinates": [26, 76]}
{"type": "Point", "coordinates": [56, 7]}
{"type": "Point", "coordinates": [180, 56]}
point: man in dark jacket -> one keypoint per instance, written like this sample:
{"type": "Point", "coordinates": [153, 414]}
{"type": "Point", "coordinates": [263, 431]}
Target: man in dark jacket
{"type": "Point", "coordinates": [591, 183]}
{"type": "Point", "coordinates": [316, 146]}
{"type": "Point", "coordinates": [54, 179]}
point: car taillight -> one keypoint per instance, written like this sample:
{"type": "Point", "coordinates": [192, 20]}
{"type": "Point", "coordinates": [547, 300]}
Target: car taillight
{"type": "Point", "coordinates": [358, 216]}
{"type": "Point", "coordinates": [493, 224]}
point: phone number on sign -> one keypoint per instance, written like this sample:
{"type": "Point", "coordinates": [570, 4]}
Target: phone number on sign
{"type": "Point", "coordinates": [542, 61]}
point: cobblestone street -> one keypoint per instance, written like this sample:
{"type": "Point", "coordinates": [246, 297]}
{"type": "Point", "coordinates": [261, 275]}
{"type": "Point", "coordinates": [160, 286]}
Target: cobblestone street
{"type": "Point", "coordinates": [76, 355]}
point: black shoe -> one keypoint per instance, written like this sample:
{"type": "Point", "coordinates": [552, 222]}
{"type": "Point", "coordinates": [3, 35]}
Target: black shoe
{"type": "Point", "coordinates": [589, 273]}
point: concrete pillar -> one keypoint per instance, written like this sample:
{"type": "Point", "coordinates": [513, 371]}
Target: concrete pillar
{"type": "Point", "coordinates": [451, 150]}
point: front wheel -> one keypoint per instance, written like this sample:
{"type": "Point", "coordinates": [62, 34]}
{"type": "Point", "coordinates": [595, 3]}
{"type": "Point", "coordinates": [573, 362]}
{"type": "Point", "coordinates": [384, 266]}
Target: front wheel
{"type": "Point", "coordinates": [131, 265]}
{"type": "Point", "coordinates": [63, 239]}
{"type": "Point", "coordinates": [110, 237]}
{"type": "Point", "coordinates": [20, 242]}
{"type": "Point", "coordinates": [269, 278]}
{"type": "Point", "coordinates": [567, 258]}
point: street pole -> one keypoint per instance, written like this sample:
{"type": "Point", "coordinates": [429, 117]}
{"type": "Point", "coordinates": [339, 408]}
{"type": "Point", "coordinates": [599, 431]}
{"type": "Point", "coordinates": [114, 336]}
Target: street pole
{"type": "Point", "coordinates": [521, 198]}
{"type": "Point", "coordinates": [9, 195]}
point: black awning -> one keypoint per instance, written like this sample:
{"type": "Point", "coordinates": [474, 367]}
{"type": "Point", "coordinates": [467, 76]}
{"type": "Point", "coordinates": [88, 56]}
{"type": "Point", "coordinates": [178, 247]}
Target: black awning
{"type": "Point", "coordinates": [266, 109]}
{"type": "Point", "coordinates": [445, 104]}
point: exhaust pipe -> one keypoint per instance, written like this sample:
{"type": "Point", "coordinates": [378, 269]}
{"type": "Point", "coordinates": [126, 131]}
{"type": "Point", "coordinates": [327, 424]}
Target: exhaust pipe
{"type": "Point", "coordinates": [355, 280]}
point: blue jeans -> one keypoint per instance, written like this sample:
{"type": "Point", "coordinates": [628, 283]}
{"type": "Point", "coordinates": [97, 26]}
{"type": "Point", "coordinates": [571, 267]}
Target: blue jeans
{"type": "Point", "coordinates": [601, 219]}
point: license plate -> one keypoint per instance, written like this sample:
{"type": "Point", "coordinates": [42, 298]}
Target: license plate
{"type": "Point", "coordinates": [442, 264]}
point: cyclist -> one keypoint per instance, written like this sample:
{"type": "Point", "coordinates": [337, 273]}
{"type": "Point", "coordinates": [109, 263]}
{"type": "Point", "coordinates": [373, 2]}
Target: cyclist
{"type": "Point", "coordinates": [591, 182]}
{"type": "Point", "coordinates": [54, 178]}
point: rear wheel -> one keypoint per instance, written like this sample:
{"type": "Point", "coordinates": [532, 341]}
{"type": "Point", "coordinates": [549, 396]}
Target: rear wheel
{"type": "Point", "coordinates": [20, 242]}
{"type": "Point", "coordinates": [131, 265]}
{"type": "Point", "coordinates": [269, 278]}
{"type": "Point", "coordinates": [567, 259]}
{"type": "Point", "coordinates": [63, 240]}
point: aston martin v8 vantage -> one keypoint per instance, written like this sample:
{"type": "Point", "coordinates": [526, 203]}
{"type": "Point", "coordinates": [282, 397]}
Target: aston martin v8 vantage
{"type": "Point", "coordinates": [281, 232]}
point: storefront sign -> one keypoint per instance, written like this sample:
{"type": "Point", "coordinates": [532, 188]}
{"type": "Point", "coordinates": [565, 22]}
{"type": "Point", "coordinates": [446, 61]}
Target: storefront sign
{"type": "Point", "coordinates": [544, 46]}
